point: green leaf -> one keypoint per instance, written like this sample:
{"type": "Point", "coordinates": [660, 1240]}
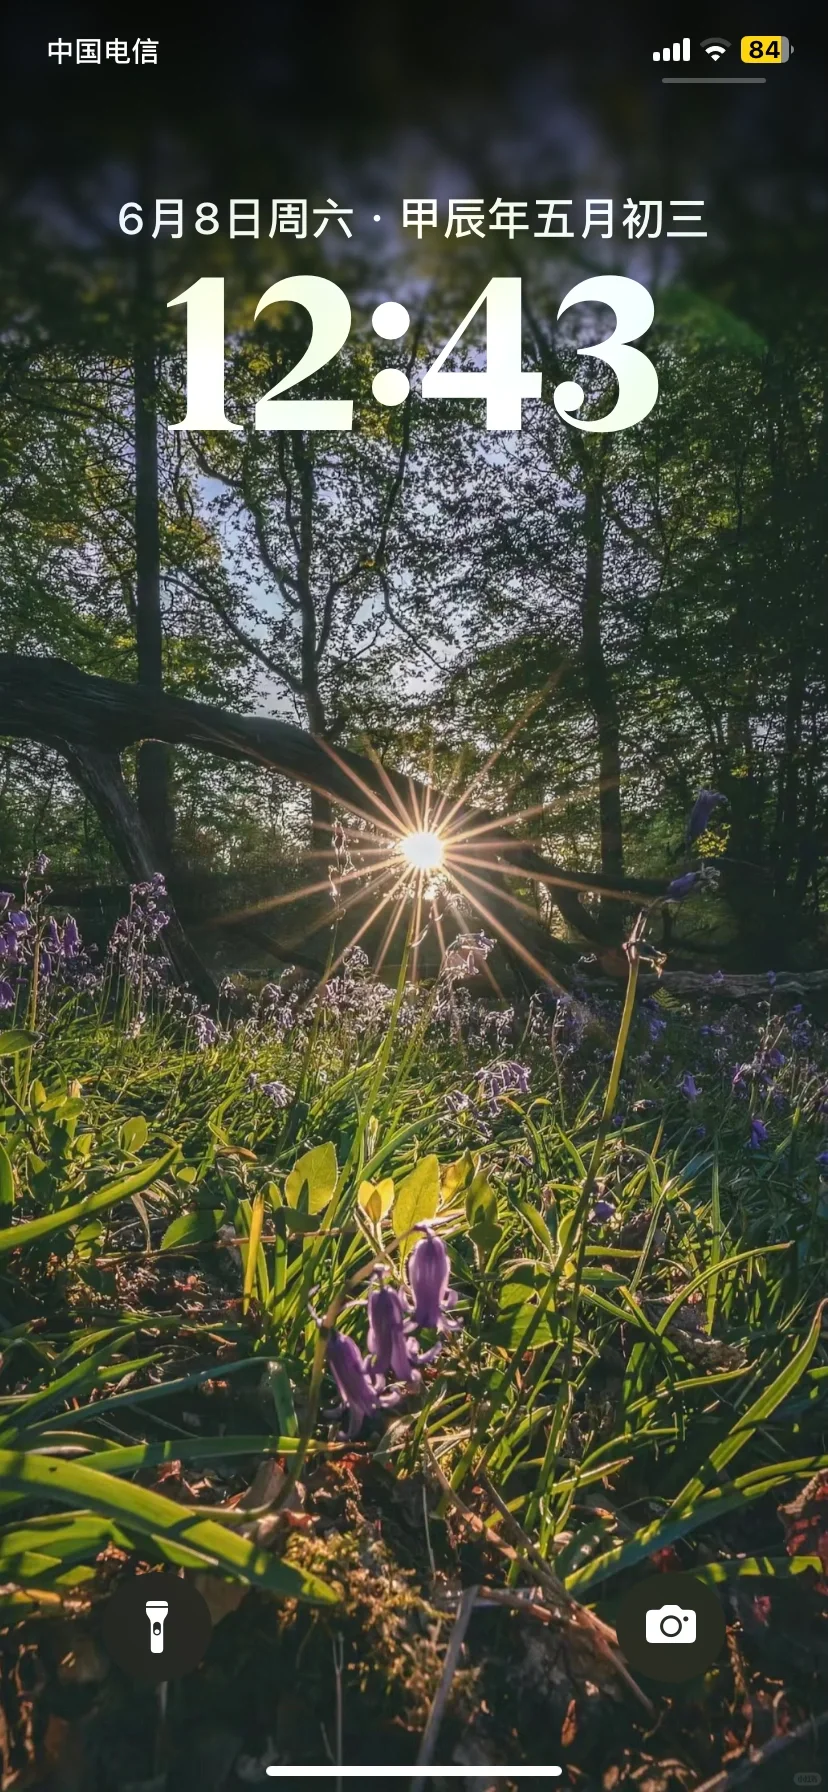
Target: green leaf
{"type": "Point", "coordinates": [80, 1379]}
{"type": "Point", "coordinates": [16, 1040]}
{"type": "Point", "coordinates": [757, 1567]}
{"type": "Point", "coordinates": [455, 1177]}
{"type": "Point", "coordinates": [313, 1179]}
{"type": "Point", "coordinates": [739, 1434]}
{"type": "Point", "coordinates": [15, 1236]}
{"type": "Point", "coordinates": [133, 1135]}
{"type": "Point", "coordinates": [481, 1200]}
{"type": "Point", "coordinates": [6, 1187]}
{"type": "Point", "coordinates": [285, 1220]}
{"type": "Point", "coordinates": [60, 1538]}
{"type": "Point", "coordinates": [126, 1459]}
{"type": "Point", "coordinates": [416, 1200]}
{"type": "Point", "coordinates": [278, 1381]}
{"type": "Point", "coordinates": [176, 1531]}
{"type": "Point", "coordinates": [375, 1198]}
{"type": "Point", "coordinates": [508, 1330]}
{"type": "Point", "coordinates": [192, 1228]}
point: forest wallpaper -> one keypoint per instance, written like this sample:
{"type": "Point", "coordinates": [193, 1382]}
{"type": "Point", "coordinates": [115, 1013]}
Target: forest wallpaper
{"type": "Point", "coordinates": [413, 902]}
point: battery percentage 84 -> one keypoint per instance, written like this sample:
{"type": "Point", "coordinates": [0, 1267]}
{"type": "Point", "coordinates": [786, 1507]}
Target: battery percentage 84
{"type": "Point", "coordinates": [757, 48]}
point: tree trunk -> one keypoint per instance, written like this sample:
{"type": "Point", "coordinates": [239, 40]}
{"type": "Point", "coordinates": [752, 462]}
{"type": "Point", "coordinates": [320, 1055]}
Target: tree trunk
{"type": "Point", "coordinates": [599, 688]}
{"type": "Point", "coordinates": [43, 699]}
{"type": "Point", "coordinates": [790, 769]}
{"type": "Point", "coordinates": [99, 776]}
{"type": "Point", "coordinates": [153, 758]}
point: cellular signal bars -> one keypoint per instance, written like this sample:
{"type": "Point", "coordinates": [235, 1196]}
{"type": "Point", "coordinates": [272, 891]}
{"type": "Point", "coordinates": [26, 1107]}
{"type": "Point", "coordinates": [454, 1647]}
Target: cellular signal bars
{"type": "Point", "coordinates": [679, 53]}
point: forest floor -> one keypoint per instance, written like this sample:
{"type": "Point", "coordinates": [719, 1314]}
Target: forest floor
{"type": "Point", "coordinates": [565, 1264]}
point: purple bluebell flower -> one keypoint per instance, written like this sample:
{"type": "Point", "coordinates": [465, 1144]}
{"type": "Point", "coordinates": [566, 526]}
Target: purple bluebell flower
{"type": "Point", "coordinates": [603, 1210]}
{"type": "Point", "coordinates": [717, 977]}
{"type": "Point", "coordinates": [822, 1160]}
{"type": "Point", "coordinates": [759, 1134]}
{"type": "Point", "coordinates": [498, 1080]}
{"type": "Point", "coordinates": [354, 1380]}
{"type": "Point", "coordinates": [6, 993]}
{"type": "Point", "coordinates": [391, 1351]}
{"type": "Point", "coordinates": [457, 1102]}
{"type": "Point", "coordinates": [360, 1389]}
{"type": "Point", "coordinates": [681, 887]}
{"type": "Point", "coordinates": [278, 1093]}
{"type": "Point", "coordinates": [19, 920]}
{"type": "Point", "coordinates": [71, 939]}
{"type": "Point", "coordinates": [771, 978]}
{"type": "Point", "coordinates": [699, 820]}
{"type": "Point", "coordinates": [689, 1086]}
{"type": "Point", "coordinates": [206, 1031]}
{"type": "Point", "coordinates": [465, 955]}
{"type": "Point", "coordinates": [428, 1275]}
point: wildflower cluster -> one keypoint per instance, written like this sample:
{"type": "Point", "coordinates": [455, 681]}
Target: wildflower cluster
{"type": "Point", "coordinates": [394, 1352]}
{"type": "Point", "coordinates": [35, 946]}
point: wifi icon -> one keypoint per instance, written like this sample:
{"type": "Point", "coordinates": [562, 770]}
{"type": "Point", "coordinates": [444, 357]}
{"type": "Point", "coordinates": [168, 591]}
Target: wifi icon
{"type": "Point", "coordinates": [715, 46]}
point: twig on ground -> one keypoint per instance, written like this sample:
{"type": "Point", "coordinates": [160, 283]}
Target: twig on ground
{"type": "Point", "coordinates": [599, 1634]}
{"type": "Point", "coordinates": [605, 1639]}
{"type": "Point", "coordinates": [739, 1776]}
{"type": "Point", "coordinates": [435, 1716]}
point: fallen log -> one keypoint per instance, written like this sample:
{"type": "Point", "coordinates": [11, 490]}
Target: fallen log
{"type": "Point", "coordinates": [732, 986]}
{"type": "Point", "coordinates": [51, 701]}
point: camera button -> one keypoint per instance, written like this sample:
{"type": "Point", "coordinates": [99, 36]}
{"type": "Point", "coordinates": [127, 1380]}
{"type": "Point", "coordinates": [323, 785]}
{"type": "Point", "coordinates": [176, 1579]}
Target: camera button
{"type": "Point", "coordinates": [671, 1627]}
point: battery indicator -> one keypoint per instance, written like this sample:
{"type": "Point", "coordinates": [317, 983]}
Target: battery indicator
{"type": "Point", "coordinates": [765, 50]}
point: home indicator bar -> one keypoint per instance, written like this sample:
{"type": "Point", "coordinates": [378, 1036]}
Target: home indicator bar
{"type": "Point", "coordinates": [415, 1773]}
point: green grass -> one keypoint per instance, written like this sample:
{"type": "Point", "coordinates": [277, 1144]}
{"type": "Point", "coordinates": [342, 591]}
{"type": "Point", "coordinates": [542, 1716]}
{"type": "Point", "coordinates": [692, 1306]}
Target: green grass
{"type": "Point", "coordinates": [656, 1378]}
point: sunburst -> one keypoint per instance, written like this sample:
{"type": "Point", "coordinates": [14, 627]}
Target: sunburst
{"type": "Point", "coordinates": [409, 854]}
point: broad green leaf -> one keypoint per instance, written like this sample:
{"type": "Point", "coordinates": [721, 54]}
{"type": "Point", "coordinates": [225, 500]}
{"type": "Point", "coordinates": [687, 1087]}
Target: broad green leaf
{"type": "Point", "coordinates": [375, 1198]}
{"type": "Point", "coordinates": [192, 1228]}
{"type": "Point", "coordinates": [134, 1134]}
{"type": "Point", "coordinates": [481, 1200]}
{"type": "Point", "coordinates": [454, 1177]}
{"type": "Point", "coordinates": [16, 1040]}
{"type": "Point", "coordinates": [6, 1187]}
{"type": "Point", "coordinates": [313, 1179]}
{"type": "Point", "coordinates": [538, 1225]}
{"type": "Point", "coordinates": [416, 1200]}
{"type": "Point", "coordinates": [508, 1330]}
{"type": "Point", "coordinates": [15, 1236]}
{"type": "Point", "coordinates": [176, 1531]}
